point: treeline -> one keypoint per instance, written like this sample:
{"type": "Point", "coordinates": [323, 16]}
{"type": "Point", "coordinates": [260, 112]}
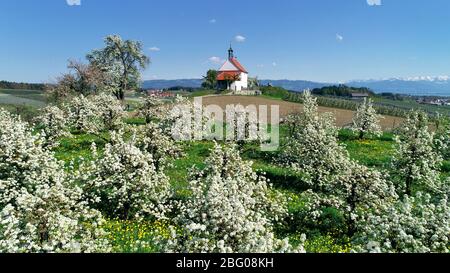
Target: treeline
{"type": "Point", "coordinates": [272, 91]}
{"type": "Point", "coordinates": [341, 91]}
{"type": "Point", "coordinates": [22, 86]}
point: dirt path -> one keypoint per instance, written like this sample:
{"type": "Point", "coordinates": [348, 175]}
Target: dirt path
{"type": "Point", "coordinates": [343, 117]}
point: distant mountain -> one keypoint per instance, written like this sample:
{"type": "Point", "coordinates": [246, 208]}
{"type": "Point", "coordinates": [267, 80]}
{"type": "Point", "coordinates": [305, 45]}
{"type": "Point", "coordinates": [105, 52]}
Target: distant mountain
{"type": "Point", "coordinates": [297, 85]}
{"type": "Point", "coordinates": [418, 86]}
{"type": "Point", "coordinates": [162, 84]}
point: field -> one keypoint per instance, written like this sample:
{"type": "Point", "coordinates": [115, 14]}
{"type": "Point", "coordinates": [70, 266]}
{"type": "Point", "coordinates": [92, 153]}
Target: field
{"type": "Point", "coordinates": [408, 104]}
{"type": "Point", "coordinates": [343, 117]}
{"type": "Point", "coordinates": [22, 97]}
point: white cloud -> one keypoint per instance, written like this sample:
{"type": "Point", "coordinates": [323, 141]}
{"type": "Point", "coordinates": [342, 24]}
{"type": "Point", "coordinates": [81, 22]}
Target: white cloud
{"type": "Point", "coordinates": [213, 21]}
{"type": "Point", "coordinates": [274, 64]}
{"type": "Point", "coordinates": [215, 60]}
{"type": "Point", "coordinates": [374, 2]}
{"type": "Point", "coordinates": [154, 48]}
{"type": "Point", "coordinates": [339, 38]}
{"type": "Point", "coordinates": [240, 39]}
{"type": "Point", "coordinates": [73, 2]}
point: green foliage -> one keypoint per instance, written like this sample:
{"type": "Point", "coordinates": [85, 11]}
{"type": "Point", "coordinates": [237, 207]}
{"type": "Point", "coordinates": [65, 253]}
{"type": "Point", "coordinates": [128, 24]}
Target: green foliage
{"type": "Point", "coordinates": [210, 80]}
{"type": "Point", "coordinates": [135, 237]}
{"type": "Point", "coordinates": [327, 244]}
{"type": "Point", "coordinates": [376, 152]}
{"type": "Point", "coordinates": [341, 91]}
{"type": "Point", "coordinates": [382, 109]}
{"type": "Point", "coordinates": [274, 92]}
{"type": "Point", "coordinates": [26, 112]}
{"type": "Point", "coordinates": [22, 86]}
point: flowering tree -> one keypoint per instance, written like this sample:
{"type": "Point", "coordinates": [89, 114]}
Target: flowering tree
{"type": "Point", "coordinates": [123, 182]}
{"type": "Point", "coordinates": [185, 120]}
{"type": "Point", "coordinates": [152, 139]}
{"type": "Point", "coordinates": [110, 112]}
{"type": "Point", "coordinates": [355, 192]}
{"type": "Point", "coordinates": [361, 190]}
{"type": "Point", "coordinates": [95, 114]}
{"type": "Point", "coordinates": [442, 137]}
{"type": "Point", "coordinates": [242, 124]}
{"type": "Point", "coordinates": [54, 124]}
{"type": "Point", "coordinates": [231, 209]}
{"type": "Point", "coordinates": [85, 79]}
{"type": "Point", "coordinates": [150, 108]}
{"type": "Point", "coordinates": [313, 149]}
{"type": "Point", "coordinates": [40, 209]}
{"type": "Point", "coordinates": [82, 114]}
{"type": "Point", "coordinates": [413, 225]}
{"type": "Point", "coordinates": [366, 120]}
{"type": "Point", "coordinates": [416, 162]}
{"type": "Point", "coordinates": [124, 58]}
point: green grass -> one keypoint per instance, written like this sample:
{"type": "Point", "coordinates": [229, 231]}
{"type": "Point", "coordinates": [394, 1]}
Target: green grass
{"type": "Point", "coordinates": [77, 146]}
{"type": "Point", "coordinates": [325, 235]}
{"type": "Point", "coordinates": [22, 97]}
{"type": "Point", "coordinates": [322, 236]}
{"type": "Point", "coordinates": [26, 112]}
{"type": "Point", "coordinates": [195, 154]}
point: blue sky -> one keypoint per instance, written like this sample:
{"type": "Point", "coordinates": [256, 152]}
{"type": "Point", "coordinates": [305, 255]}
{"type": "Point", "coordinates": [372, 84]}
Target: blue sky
{"type": "Point", "coordinates": [318, 40]}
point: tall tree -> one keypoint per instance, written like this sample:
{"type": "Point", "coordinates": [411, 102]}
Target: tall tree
{"type": "Point", "coordinates": [416, 162]}
{"type": "Point", "coordinates": [366, 120]}
{"type": "Point", "coordinates": [123, 59]}
{"type": "Point", "coordinates": [84, 79]}
{"type": "Point", "coordinates": [313, 149]}
{"type": "Point", "coordinates": [210, 80]}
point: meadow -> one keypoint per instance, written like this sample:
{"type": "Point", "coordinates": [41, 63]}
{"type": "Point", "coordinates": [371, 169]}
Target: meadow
{"type": "Point", "coordinates": [324, 237]}
{"type": "Point", "coordinates": [327, 235]}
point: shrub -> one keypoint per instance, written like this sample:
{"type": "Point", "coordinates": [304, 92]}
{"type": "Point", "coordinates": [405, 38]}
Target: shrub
{"type": "Point", "coordinates": [40, 209]}
{"type": "Point", "coordinates": [230, 210]}
{"type": "Point", "coordinates": [123, 182]}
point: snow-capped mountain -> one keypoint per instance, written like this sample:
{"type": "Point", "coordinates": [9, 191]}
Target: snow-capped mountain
{"type": "Point", "coordinates": [421, 85]}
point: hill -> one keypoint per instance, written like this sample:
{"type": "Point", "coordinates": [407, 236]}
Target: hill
{"type": "Point", "coordinates": [165, 84]}
{"type": "Point", "coordinates": [21, 86]}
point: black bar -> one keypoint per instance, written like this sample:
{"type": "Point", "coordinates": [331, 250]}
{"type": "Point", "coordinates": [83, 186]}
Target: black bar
{"type": "Point", "coordinates": [228, 262]}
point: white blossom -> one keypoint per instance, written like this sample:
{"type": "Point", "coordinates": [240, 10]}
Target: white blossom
{"type": "Point", "coordinates": [413, 225]}
{"type": "Point", "coordinates": [123, 181]}
{"type": "Point", "coordinates": [54, 124]}
{"type": "Point", "coordinates": [152, 139]}
{"type": "Point", "coordinates": [96, 114]}
{"type": "Point", "coordinates": [313, 149]}
{"type": "Point", "coordinates": [416, 163]}
{"type": "Point", "coordinates": [151, 108]}
{"type": "Point", "coordinates": [231, 210]}
{"type": "Point", "coordinates": [366, 120]}
{"type": "Point", "coordinates": [40, 209]}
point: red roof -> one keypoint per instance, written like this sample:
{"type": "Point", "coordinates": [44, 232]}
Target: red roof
{"type": "Point", "coordinates": [227, 75]}
{"type": "Point", "coordinates": [236, 63]}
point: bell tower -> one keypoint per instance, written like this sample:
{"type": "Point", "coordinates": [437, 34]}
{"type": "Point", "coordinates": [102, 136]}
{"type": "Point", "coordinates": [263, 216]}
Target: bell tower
{"type": "Point", "coordinates": [230, 53]}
